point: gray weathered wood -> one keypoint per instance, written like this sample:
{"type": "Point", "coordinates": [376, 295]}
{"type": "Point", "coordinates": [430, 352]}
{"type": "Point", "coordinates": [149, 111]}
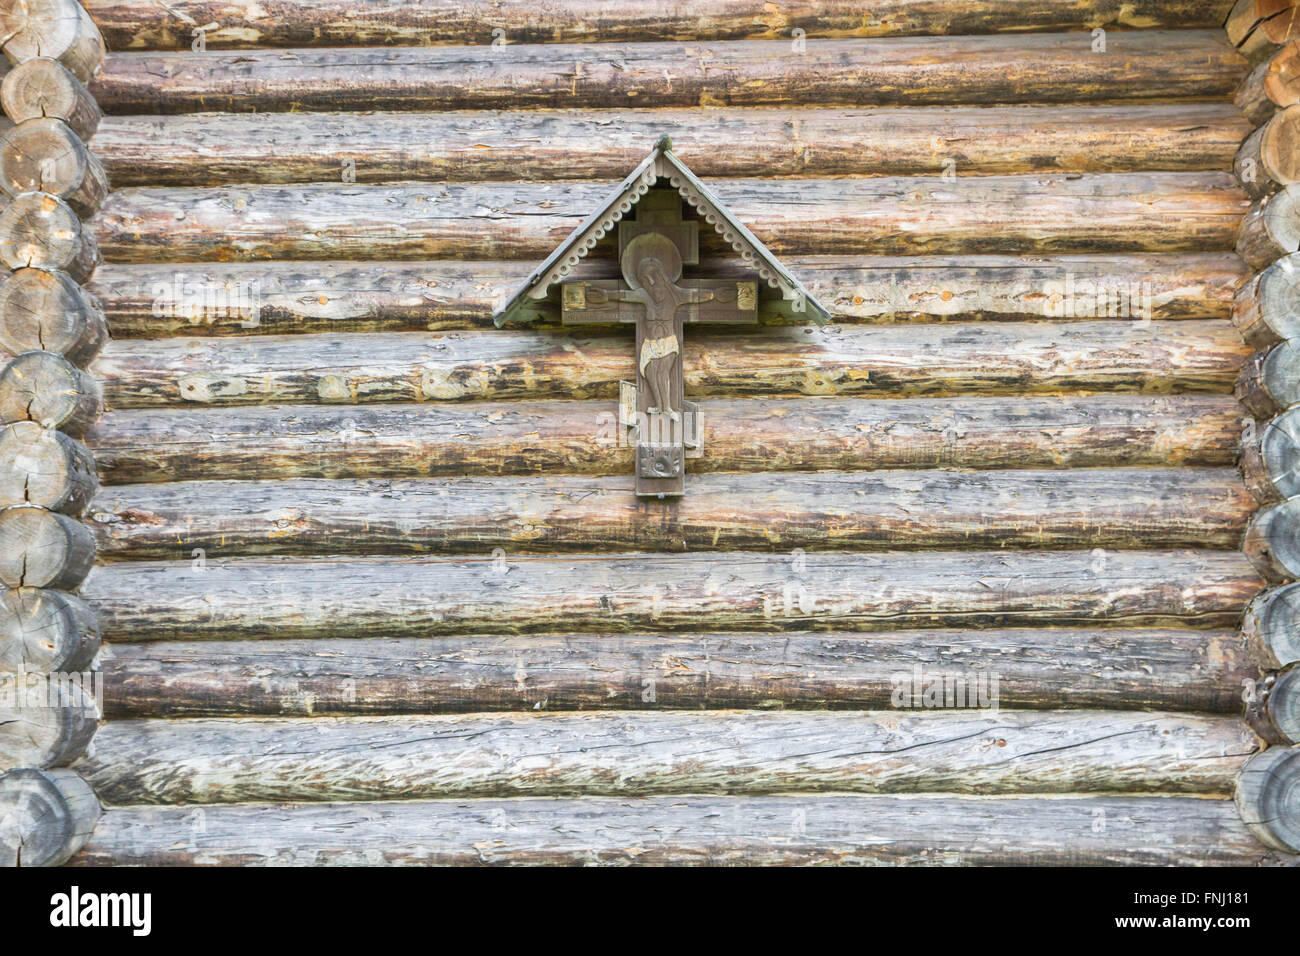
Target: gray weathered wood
{"type": "Point", "coordinates": [749, 434]}
{"type": "Point", "coordinates": [42, 231]}
{"type": "Point", "coordinates": [1271, 228]}
{"type": "Point", "coordinates": [46, 632]}
{"type": "Point", "coordinates": [886, 215]}
{"type": "Point", "coordinates": [61, 29]}
{"type": "Point", "coordinates": [268, 760]}
{"type": "Point", "coordinates": [44, 467]}
{"type": "Point", "coordinates": [1118, 669]}
{"type": "Point", "coordinates": [48, 311]}
{"type": "Point", "coordinates": [1272, 541]}
{"type": "Point", "coordinates": [1083, 508]}
{"type": "Point", "coordinates": [44, 155]}
{"type": "Point", "coordinates": [845, 361]}
{"type": "Point", "coordinates": [1270, 464]}
{"type": "Point", "coordinates": [46, 816]}
{"type": "Point", "coordinates": [1272, 627]}
{"type": "Point", "coordinates": [247, 298]}
{"type": "Point", "coordinates": [1273, 711]}
{"type": "Point", "coordinates": [45, 721]}
{"type": "Point", "coordinates": [43, 549]}
{"type": "Point", "coordinates": [803, 829]}
{"type": "Point", "coordinates": [45, 87]}
{"type": "Point", "coordinates": [46, 388]}
{"type": "Point", "coordinates": [1266, 308]}
{"type": "Point", "coordinates": [205, 596]}
{"type": "Point", "coordinates": [1268, 796]}
{"type": "Point", "coordinates": [1269, 382]}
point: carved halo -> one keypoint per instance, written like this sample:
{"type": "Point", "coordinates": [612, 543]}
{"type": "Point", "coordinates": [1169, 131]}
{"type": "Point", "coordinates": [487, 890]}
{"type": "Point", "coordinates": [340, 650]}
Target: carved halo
{"type": "Point", "coordinates": [651, 245]}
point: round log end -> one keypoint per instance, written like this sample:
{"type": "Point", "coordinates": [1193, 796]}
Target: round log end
{"type": "Point", "coordinates": [45, 156]}
{"type": "Point", "coordinates": [1272, 541]}
{"type": "Point", "coordinates": [48, 389]}
{"type": "Point", "coordinates": [43, 86]}
{"type": "Point", "coordinates": [43, 549]}
{"type": "Point", "coordinates": [1268, 797]}
{"type": "Point", "coordinates": [46, 720]}
{"type": "Point", "coordinates": [47, 311]}
{"type": "Point", "coordinates": [46, 632]}
{"type": "Point", "coordinates": [1272, 627]}
{"type": "Point", "coordinates": [44, 232]}
{"type": "Point", "coordinates": [1273, 471]}
{"type": "Point", "coordinates": [1279, 149]}
{"type": "Point", "coordinates": [46, 816]}
{"type": "Point", "coordinates": [1279, 706]}
{"type": "Point", "coordinates": [44, 467]}
{"type": "Point", "coordinates": [55, 28]}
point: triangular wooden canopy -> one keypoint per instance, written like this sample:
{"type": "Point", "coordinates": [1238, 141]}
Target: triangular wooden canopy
{"type": "Point", "coordinates": [660, 164]}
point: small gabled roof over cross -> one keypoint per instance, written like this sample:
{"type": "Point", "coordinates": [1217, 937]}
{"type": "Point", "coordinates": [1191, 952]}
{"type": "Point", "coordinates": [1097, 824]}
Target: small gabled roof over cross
{"type": "Point", "coordinates": [660, 164]}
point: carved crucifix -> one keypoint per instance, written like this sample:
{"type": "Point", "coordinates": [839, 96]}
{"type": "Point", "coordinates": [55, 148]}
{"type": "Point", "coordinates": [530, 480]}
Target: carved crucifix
{"type": "Point", "coordinates": [653, 249]}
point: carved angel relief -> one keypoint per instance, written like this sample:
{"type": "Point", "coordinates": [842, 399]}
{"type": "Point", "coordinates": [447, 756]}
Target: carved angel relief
{"type": "Point", "coordinates": [653, 244]}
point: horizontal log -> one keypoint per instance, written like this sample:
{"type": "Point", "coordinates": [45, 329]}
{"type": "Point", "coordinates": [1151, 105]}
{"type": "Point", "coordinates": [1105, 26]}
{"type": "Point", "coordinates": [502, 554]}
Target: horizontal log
{"type": "Point", "coordinates": [45, 155]}
{"type": "Point", "coordinates": [196, 761]}
{"type": "Point", "coordinates": [45, 721]}
{"type": "Point", "coordinates": [43, 467]}
{"type": "Point", "coordinates": [1270, 229]}
{"type": "Point", "coordinates": [1266, 308]}
{"type": "Point", "coordinates": [1272, 541]}
{"type": "Point", "coordinates": [1138, 65]}
{"type": "Point", "coordinates": [211, 149]}
{"type": "Point", "coordinates": [246, 298]}
{"type": "Point", "coordinates": [45, 87]}
{"type": "Point", "coordinates": [1270, 460]}
{"type": "Point", "coordinates": [844, 361]}
{"type": "Point", "coordinates": [1272, 627]}
{"type": "Point", "coordinates": [1256, 27]}
{"type": "Point", "coordinates": [226, 24]}
{"type": "Point", "coordinates": [49, 816]}
{"type": "Point", "coordinates": [61, 29]}
{"type": "Point", "coordinates": [1102, 212]}
{"type": "Point", "coordinates": [243, 599]}
{"type": "Point", "coordinates": [1139, 669]}
{"type": "Point", "coordinates": [536, 437]}
{"type": "Point", "coordinates": [1268, 796]}
{"type": "Point", "coordinates": [1085, 508]}
{"type": "Point", "coordinates": [47, 389]}
{"type": "Point", "coordinates": [46, 632]}
{"type": "Point", "coordinates": [791, 830]}
{"type": "Point", "coordinates": [1269, 382]}
{"type": "Point", "coordinates": [48, 311]}
{"type": "Point", "coordinates": [41, 231]}
{"type": "Point", "coordinates": [43, 549]}
{"type": "Point", "coordinates": [1273, 84]}
{"type": "Point", "coordinates": [1267, 160]}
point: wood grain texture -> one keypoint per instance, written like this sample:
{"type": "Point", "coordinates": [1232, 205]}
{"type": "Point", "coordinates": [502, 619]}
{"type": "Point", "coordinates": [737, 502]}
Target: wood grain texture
{"type": "Point", "coordinates": [61, 29]}
{"type": "Point", "coordinates": [48, 311]}
{"type": "Point", "coordinates": [145, 300]}
{"type": "Point", "coordinates": [1268, 796]}
{"type": "Point", "coordinates": [1271, 627]}
{"type": "Point", "coordinates": [46, 632]}
{"type": "Point", "coordinates": [747, 435]}
{"type": "Point", "coordinates": [1140, 65]}
{"type": "Point", "coordinates": [1273, 84]}
{"type": "Point", "coordinates": [270, 760]}
{"type": "Point", "coordinates": [210, 149]}
{"type": "Point", "coordinates": [43, 467]}
{"type": "Point", "coordinates": [43, 549]}
{"type": "Point", "coordinates": [924, 830]}
{"type": "Point", "coordinates": [1084, 508]}
{"type": "Point", "coordinates": [1266, 307]}
{"type": "Point", "coordinates": [43, 87]}
{"type": "Point", "coordinates": [45, 721]}
{"type": "Point", "coordinates": [1113, 669]}
{"type": "Point", "coordinates": [46, 816]}
{"type": "Point", "coordinates": [835, 361]}
{"type": "Point", "coordinates": [1095, 212]}
{"type": "Point", "coordinates": [239, 24]}
{"type": "Point", "coordinates": [209, 597]}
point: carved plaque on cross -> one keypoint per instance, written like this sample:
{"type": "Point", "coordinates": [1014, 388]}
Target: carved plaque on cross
{"type": "Point", "coordinates": [653, 296]}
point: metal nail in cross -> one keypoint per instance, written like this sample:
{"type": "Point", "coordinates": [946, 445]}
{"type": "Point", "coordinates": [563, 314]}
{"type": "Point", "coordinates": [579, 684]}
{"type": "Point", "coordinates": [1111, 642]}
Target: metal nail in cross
{"type": "Point", "coordinates": [654, 244]}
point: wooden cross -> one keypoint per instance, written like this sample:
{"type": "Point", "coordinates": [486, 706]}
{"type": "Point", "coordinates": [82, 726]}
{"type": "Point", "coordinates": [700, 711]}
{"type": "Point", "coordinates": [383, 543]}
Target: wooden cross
{"type": "Point", "coordinates": [653, 296]}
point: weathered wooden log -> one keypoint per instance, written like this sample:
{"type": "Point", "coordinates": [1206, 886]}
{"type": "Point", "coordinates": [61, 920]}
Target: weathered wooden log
{"type": "Point", "coordinates": [1257, 27]}
{"type": "Point", "coordinates": [1273, 84]}
{"type": "Point", "coordinates": [47, 311]}
{"type": "Point", "coordinates": [751, 434]}
{"type": "Point", "coordinates": [805, 829]}
{"type": "Point", "coordinates": [1269, 159]}
{"type": "Point", "coordinates": [42, 231]}
{"type": "Point", "coordinates": [46, 388]}
{"type": "Point", "coordinates": [209, 597]}
{"type": "Point", "coordinates": [44, 467]}
{"type": "Point", "coordinates": [1272, 541]}
{"type": "Point", "coordinates": [61, 29]}
{"type": "Point", "coordinates": [45, 720]}
{"type": "Point", "coordinates": [1266, 308]}
{"type": "Point", "coordinates": [210, 149]}
{"type": "Point", "coordinates": [1272, 627]}
{"type": "Point", "coordinates": [1271, 228]}
{"type": "Point", "coordinates": [845, 361]}
{"type": "Point", "coordinates": [44, 155]}
{"type": "Point", "coordinates": [1268, 797]}
{"type": "Point", "coordinates": [43, 549]}
{"type": "Point", "coordinates": [46, 632]}
{"type": "Point", "coordinates": [45, 87]}
{"type": "Point", "coordinates": [1104, 212]}
{"type": "Point", "coordinates": [1273, 709]}
{"type": "Point", "coordinates": [588, 754]}
{"type": "Point", "coordinates": [1270, 381]}
{"type": "Point", "coordinates": [1139, 65]}
{"type": "Point", "coordinates": [1270, 462]}
{"type": "Point", "coordinates": [140, 25]}
{"type": "Point", "coordinates": [46, 816]}
{"type": "Point", "coordinates": [1114, 669]}
{"type": "Point", "coordinates": [246, 298]}
{"type": "Point", "coordinates": [1085, 508]}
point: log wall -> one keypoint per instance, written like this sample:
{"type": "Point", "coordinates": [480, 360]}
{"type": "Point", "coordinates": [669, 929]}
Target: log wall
{"type": "Point", "coordinates": [367, 571]}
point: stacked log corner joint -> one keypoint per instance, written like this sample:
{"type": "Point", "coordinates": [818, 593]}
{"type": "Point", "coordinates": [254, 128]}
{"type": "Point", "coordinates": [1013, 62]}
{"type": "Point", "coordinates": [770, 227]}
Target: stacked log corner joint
{"type": "Point", "coordinates": [50, 329]}
{"type": "Point", "coordinates": [1266, 311]}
